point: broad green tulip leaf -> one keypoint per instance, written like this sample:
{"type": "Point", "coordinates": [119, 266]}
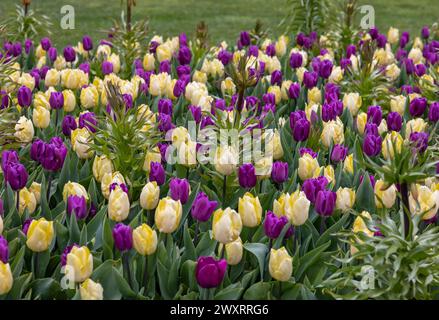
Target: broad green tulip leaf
{"type": "Point", "coordinates": [260, 251]}
{"type": "Point", "coordinates": [258, 291]}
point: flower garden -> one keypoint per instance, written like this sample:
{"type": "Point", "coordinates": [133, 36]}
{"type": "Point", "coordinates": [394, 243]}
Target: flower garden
{"type": "Point", "coordinates": [301, 166]}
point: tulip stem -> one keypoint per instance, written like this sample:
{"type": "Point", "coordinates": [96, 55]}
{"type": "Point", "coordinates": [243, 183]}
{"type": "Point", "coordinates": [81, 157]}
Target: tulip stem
{"type": "Point", "coordinates": [322, 225]}
{"type": "Point", "coordinates": [18, 201]}
{"type": "Point", "coordinates": [406, 210]}
{"type": "Point", "coordinates": [224, 188]}
{"type": "Point", "coordinates": [145, 274]}
{"type": "Point", "coordinates": [126, 262]}
{"type": "Point", "coordinates": [150, 216]}
{"type": "Point", "coordinates": [49, 182]}
{"type": "Point", "coordinates": [36, 261]}
{"type": "Point", "coordinates": [197, 229]}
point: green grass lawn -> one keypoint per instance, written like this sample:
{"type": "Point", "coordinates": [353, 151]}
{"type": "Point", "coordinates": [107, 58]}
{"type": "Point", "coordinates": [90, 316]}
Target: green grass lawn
{"type": "Point", "coordinates": [225, 18]}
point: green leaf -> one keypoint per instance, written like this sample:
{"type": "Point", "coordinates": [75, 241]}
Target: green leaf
{"type": "Point", "coordinates": [105, 275]}
{"type": "Point", "coordinates": [258, 291]}
{"type": "Point", "coordinates": [232, 292]}
{"type": "Point", "coordinates": [260, 250]}
{"type": "Point", "coordinates": [365, 196]}
{"type": "Point", "coordinates": [309, 259]}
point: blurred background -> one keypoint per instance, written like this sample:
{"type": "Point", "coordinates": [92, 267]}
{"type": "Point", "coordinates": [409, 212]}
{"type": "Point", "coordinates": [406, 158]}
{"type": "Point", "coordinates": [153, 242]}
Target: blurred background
{"type": "Point", "coordinates": [224, 18]}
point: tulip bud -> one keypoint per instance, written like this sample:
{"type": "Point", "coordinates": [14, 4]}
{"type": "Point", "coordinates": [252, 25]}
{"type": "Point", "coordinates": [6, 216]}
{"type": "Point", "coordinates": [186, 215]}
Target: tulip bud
{"type": "Point", "coordinates": [296, 207]}
{"type": "Point", "coordinates": [149, 197]}
{"type": "Point", "coordinates": [202, 208]}
{"type": "Point", "coordinates": [24, 130]}
{"type": "Point", "coordinates": [247, 176]}
{"type": "Point", "coordinates": [391, 144]}
{"type": "Point", "coordinates": [273, 225]}
{"type": "Point", "coordinates": [325, 202]}
{"type": "Point", "coordinates": [226, 159]}
{"type": "Point", "coordinates": [41, 117]}
{"type": "Point", "coordinates": [168, 215]}
{"type": "Point", "coordinates": [210, 272]}
{"type": "Point", "coordinates": [307, 166]}
{"type": "Point", "coordinates": [279, 172]}
{"type": "Point", "coordinates": [118, 204]}
{"type": "Point", "coordinates": [234, 252]}
{"type": "Point", "coordinates": [91, 290]}
{"type": "Point", "coordinates": [4, 250]}
{"type": "Point", "coordinates": [27, 201]}
{"type": "Point", "coordinates": [40, 235]}
{"type": "Point", "coordinates": [250, 210]}
{"type": "Point", "coordinates": [385, 195]}
{"type": "Point", "coordinates": [77, 206]}
{"type": "Point", "coordinates": [80, 262]}
{"type": "Point", "coordinates": [123, 237]}
{"type": "Point", "coordinates": [101, 166]}
{"type": "Point", "coordinates": [226, 225]}
{"type": "Point", "coordinates": [345, 199]}
{"type": "Point", "coordinates": [16, 175]}
{"type": "Point", "coordinates": [179, 189]}
{"type": "Point", "coordinates": [144, 240]}
{"type": "Point", "coordinates": [6, 278]}
{"type": "Point", "coordinates": [280, 264]}
{"type": "Point", "coordinates": [80, 138]}
{"type": "Point", "coordinates": [424, 201]}
{"type": "Point", "coordinates": [157, 173]}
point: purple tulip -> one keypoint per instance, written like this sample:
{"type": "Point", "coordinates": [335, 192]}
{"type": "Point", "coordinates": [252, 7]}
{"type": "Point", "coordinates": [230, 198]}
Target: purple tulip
{"type": "Point", "coordinates": [394, 121]}
{"type": "Point", "coordinates": [372, 145]}
{"type": "Point", "coordinates": [206, 121]}
{"type": "Point", "coordinates": [54, 154]}
{"type": "Point", "coordinates": [56, 100]}
{"type": "Point", "coordinates": [128, 101]}
{"type": "Point", "coordinates": [37, 150]}
{"type": "Point", "coordinates": [420, 140]}
{"type": "Point", "coordinates": [225, 57]}
{"type": "Point", "coordinates": [328, 112]}
{"type": "Point", "coordinates": [273, 225]}
{"type": "Point", "coordinates": [418, 106]}
{"type": "Point", "coordinates": [68, 124]}
{"type": "Point", "coordinates": [8, 156]}
{"type": "Point", "coordinates": [184, 55]}
{"type": "Point", "coordinates": [247, 176]}
{"type": "Point", "coordinates": [296, 60]}
{"type": "Point", "coordinates": [279, 172]}
{"type": "Point", "coordinates": [409, 66]}
{"type": "Point", "coordinates": [26, 225]}
{"type": "Point", "coordinates": [276, 78]}
{"type": "Point", "coordinates": [157, 173]}
{"type": "Point", "coordinates": [69, 54]}
{"type": "Point", "coordinates": [311, 187]}
{"type": "Point", "coordinates": [202, 208]}
{"type": "Point", "coordinates": [253, 51]}
{"type": "Point", "coordinates": [165, 106]}
{"type": "Point", "coordinates": [66, 252]}
{"type": "Point", "coordinates": [325, 69]}
{"type": "Point", "coordinates": [4, 250]}
{"type": "Point", "coordinates": [433, 112]}
{"type": "Point", "coordinates": [4, 99]}
{"type": "Point", "coordinates": [425, 32]}
{"type": "Point", "coordinates": [179, 189]}
{"type": "Point", "coordinates": [325, 202]}
{"type": "Point", "coordinates": [165, 122]}
{"type": "Point", "coordinates": [310, 79]}
{"type": "Point", "coordinates": [374, 115]}
{"type": "Point", "coordinates": [107, 67]}
{"type": "Point", "coordinates": [52, 53]}
{"type": "Point", "coordinates": [405, 38]}
{"type": "Point", "coordinates": [301, 130]}
{"type": "Point", "coordinates": [244, 38]}
{"type": "Point", "coordinates": [24, 96]}
{"type": "Point", "coordinates": [381, 41]}
{"type": "Point", "coordinates": [87, 43]}
{"type": "Point", "coordinates": [16, 175]}
{"type": "Point", "coordinates": [165, 66]}
{"type": "Point", "coordinates": [196, 113]}
{"type": "Point", "coordinates": [270, 50]}
{"type": "Point", "coordinates": [371, 129]}
{"type": "Point", "coordinates": [420, 69]}
{"type": "Point", "coordinates": [123, 237]}
{"type": "Point", "coordinates": [88, 120]}
{"type": "Point", "coordinates": [294, 91]}
{"type": "Point", "coordinates": [210, 272]}
{"type": "Point", "coordinates": [46, 44]}
{"type": "Point", "coordinates": [28, 45]}
{"type": "Point", "coordinates": [339, 153]}
{"type": "Point", "coordinates": [350, 50]}
{"type": "Point", "coordinates": [182, 39]}
{"type": "Point", "coordinates": [78, 206]}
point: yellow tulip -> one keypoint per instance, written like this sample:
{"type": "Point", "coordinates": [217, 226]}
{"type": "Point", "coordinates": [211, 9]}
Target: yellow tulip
{"type": "Point", "coordinates": [26, 201]}
{"type": "Point", "coordinates": [74, 189]}
{"type": "Point", "coordinates": [118, 205]}
{"type": "Point", "coordinates": [35, 188]}
{"type": "Point", "coordinates": [168, 215]}
{"type": "Point", "coordinates": [80, 262]}
{"type": "Point", "coordinates": [307, 166]}
{"type": "Point", "coordinates": [385, 196]}
{"type": "Point", "coordinates": [24, 130]}
{"type": "Point", "coordinates": [41, 117]}
{"type": "Point", "coordinates": [144, 240]}
{"type": "Point", "coordinates": [280, 264]}
{"type": "Point", "coordinates": [296, 207]}
{"type": "Point", "coordinates": [101, 166]}
{"type": "Point", "coordinates": [226, 225]}
{"type": "Point", "coordinates": [6, 279]}
{"type": "Point", "coordinates": [91, 290]}
{"type": "Point", "coordinates": [149, 197]}
{"type": "Point", "coordinates": [424, 201]}
{"type": "Point", "coordinates": [234, 252]}
{"type": "Point", "coordinates": [250, 210]}
{"type": "Point", "coordinates": [40, 235]}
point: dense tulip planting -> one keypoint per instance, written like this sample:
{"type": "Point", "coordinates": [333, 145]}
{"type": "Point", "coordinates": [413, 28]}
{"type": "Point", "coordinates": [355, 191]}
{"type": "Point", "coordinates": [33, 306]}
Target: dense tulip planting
{"type": "Point", "coordinates": [269, 169]}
